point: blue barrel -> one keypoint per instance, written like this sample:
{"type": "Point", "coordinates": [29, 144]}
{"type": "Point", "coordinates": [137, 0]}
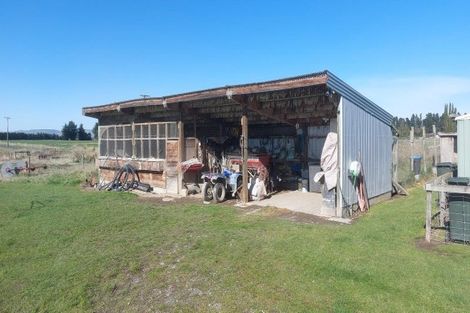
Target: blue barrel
{"type": "Point", "coordinates": [416, 163]}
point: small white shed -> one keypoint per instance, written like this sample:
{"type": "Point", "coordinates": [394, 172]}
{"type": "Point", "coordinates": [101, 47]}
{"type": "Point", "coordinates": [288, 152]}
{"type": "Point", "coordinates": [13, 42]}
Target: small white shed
{"type": "Point", "coordinates": [448, 147]}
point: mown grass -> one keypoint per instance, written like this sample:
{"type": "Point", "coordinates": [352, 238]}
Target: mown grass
{"type": "Point", "coordinates": [63, 249]}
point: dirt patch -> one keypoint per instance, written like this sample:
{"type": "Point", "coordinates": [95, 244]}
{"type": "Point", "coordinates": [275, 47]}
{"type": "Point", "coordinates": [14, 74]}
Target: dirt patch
{"type": "Point", "coordinates": [268, 212]}
{"type": "Point", "coordinates": [285, 214]}
{"type": "Point", "coordinates": [167, 200]}
{"type": "Point", "coordinates": [436, 246]}
{"type": "Point", "coordinates": [428, 246]}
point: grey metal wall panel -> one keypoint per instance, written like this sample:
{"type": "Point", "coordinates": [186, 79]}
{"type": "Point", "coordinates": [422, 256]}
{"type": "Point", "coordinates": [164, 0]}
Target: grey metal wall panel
{"type": "Point", "coordinates": [367, 139]}
{"type": "Point", "coordinates": [316, 140]}
{"type": "Point", "coordinates": [463, 147]}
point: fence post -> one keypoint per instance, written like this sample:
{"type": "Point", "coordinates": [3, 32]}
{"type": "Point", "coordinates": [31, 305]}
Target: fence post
{"type": "Point", "coordinates": [435, 144]}
{"type": "Point", "coordinates": [428, 215]}
{"type": "Point", "coordinates": [412, 138]}
{"type": "Point", "coordinates": [424, 150]}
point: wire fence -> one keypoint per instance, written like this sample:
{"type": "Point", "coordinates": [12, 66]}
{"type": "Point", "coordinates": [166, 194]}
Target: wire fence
{"type": "Point", "coordinates": [427, 149]}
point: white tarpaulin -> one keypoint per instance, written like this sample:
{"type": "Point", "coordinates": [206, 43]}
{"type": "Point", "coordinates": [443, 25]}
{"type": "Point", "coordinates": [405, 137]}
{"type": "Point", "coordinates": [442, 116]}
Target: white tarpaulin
{"type": "Point", "coordinates": [329, 161]}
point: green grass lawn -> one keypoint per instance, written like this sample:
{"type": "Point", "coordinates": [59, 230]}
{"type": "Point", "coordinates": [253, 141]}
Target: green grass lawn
{"type": "Point", "coordinates": [63, 249]}
{"type": "Point", "coordinates": [50, 143]}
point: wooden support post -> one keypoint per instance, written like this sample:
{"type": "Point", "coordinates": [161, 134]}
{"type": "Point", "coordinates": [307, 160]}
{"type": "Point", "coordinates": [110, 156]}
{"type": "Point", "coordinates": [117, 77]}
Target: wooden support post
{"type": "Point", "coordinates": [195, 136]}
{"type": "Point", "coordinates": [244, 149]}
{"type": "Point", "coordinates": [428, 215]}
{"type": "Point", "coordinates": [305, 146]}
{"type": "Point", "coordinates": [442, 208]}
{"type": "Point", "coordinates": [395, 160]}
{"type": "Point", "coordinates": [133, 140]}
{"type": "Point", "coordinates": [435, 145]}
{"type": "Point", "coordinates": [180, 155]}
{"type": "Point", "coordinates": [412, 139]}
{"type": "Point", "coordinates": [425, 167]}
{"type": "Point", "coordinates": [204, 153]}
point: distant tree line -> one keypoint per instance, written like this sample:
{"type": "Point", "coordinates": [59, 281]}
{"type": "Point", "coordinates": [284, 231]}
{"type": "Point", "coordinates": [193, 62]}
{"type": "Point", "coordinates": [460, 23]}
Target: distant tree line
{"type": "Point", "coordinates": [444, 122]}
{"type": "Point", "coordinates": [26, 136]}
{"type": "Point", "coordinates": [70, 131]}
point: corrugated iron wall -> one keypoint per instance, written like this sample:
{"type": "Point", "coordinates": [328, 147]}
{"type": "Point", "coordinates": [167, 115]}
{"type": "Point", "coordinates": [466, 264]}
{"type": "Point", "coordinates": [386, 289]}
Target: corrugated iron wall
{"type": "Point", "coordinates": [368, 140]}
{"type": "Point", "coordinates": [316, 140]}
{"type": "Point", "coordinates": [463, 147]}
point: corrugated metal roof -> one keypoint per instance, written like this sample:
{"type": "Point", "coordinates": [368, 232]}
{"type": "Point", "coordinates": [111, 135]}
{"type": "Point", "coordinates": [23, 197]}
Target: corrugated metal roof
{"type": "Point", "coordinates": [358, 99]}
{"type": "Point", "coordinates": [463, 117]}
{"type": "Point", "coordinates": [319, 78]}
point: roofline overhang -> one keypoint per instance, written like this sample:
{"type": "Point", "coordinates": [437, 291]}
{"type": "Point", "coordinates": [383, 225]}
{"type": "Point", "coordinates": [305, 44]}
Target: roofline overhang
{"type": "Point", "coordinates": [326, 78]}
{"type": "Point", "coordinates": [219, 92]}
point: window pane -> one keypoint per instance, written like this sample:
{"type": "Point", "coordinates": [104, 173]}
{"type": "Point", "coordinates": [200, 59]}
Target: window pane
{"type": "Point", "coordinates": [172, 131]}
{"type": "Point", "coordinates": [128, 131]}
{"type": "Point", "coordinates": [161, 130]}
{"type": "Point", "coordinates": [119, 148]}
{"type": "Point", "coordinates": [145, 131]}
{"type": "Point", "coordinates": [103, 145]}
{"type": "Point", "coordinates": [153, 149]}
{"type": "Point", "coordinates": [111, 146]}
{"type": "Point", "coordinates": [146, 150]}
{"type": "Point", "coordinates": [103, 132]}
{"type": "Point", "coordinates": [153, 131]}
{"type": "Point", "coordinates": [161, 148]}
{"type": "Point", "coordinates": [137, 131]}
{"type": "Point", "coordinates": [127, 148]}
{"type": "Point", "coordinates": [111, 134]}
{"type": "Point", "coordinates": [119, 132]}
{"type": "Point", "coordinates": [138, 149]}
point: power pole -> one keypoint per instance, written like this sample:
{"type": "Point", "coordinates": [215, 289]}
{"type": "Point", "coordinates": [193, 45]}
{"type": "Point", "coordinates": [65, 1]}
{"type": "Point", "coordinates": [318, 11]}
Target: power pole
{"type": "Point", "coordinates": [8, 126]}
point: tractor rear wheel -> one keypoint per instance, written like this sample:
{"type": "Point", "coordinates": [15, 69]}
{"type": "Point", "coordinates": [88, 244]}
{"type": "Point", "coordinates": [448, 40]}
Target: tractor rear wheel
{"type": "Point", "coordinates": [219, 192]}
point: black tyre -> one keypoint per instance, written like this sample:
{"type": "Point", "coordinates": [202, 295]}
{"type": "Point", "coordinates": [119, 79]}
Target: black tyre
{"type": "Point", "coordinates": [207, 192]}
{"type": "Point", "coordinates": [219, 192]}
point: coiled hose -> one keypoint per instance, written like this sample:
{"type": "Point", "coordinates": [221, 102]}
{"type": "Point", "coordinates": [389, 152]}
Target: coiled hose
{"type": "Point", "coordinates": [124, 179]}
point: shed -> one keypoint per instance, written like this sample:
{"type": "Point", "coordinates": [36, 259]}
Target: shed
{"type": "Point", "coordinates": [448, 147]}
{"type": "Point", "coordinates": [287, 119]}
{"type": "Point", "coordinates": [463, 138]}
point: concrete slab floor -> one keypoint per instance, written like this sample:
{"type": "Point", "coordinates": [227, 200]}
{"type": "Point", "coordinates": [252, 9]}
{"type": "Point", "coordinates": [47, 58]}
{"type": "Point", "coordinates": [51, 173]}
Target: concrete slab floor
{"type": "Point", "coordinates": [297, 201]}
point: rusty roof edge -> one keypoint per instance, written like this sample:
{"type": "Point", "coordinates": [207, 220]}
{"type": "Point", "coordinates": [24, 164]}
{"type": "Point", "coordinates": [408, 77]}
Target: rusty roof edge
{"type": "Point", "coordinates": [121, 104]}
{"type": "Point", "coordinates": [281, 80]}
{"type": "Point", "coordinates": [203, 94]}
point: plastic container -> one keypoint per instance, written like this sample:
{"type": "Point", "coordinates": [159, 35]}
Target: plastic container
{"type": "Point", "coordinates": [460, 181]}
{"type": "Point", "coordinates": [446, 167]}
{"type": "Point", "coordinates": [416, 163]}
{"type": "Point", "coordinates": [459, 216]}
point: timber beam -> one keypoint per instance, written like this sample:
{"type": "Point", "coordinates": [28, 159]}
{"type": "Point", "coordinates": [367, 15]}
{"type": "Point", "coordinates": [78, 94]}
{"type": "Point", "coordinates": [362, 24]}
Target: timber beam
{"type": "Point", "coordinates": [253, 105]}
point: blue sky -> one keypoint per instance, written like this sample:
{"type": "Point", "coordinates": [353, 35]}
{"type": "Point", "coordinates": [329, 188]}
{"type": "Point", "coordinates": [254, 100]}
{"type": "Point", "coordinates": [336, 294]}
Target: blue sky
{"type": "Point", "coordinates": [58, 56]}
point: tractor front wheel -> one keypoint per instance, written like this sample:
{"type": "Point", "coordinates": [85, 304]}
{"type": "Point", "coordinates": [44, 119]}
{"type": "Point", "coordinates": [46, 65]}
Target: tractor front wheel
{"type": "Point", "coordinates": [207, 191]}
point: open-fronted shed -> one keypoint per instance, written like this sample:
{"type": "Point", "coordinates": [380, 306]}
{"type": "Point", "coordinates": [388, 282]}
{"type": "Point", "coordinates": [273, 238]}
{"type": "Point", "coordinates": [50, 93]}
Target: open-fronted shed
{"type": "Point", "coordinates": [288, 119]}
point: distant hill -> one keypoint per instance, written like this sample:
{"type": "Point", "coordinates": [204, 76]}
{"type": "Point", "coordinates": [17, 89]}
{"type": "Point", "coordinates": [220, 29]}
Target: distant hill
{"type": "Point", "coordinates": [41, 131]}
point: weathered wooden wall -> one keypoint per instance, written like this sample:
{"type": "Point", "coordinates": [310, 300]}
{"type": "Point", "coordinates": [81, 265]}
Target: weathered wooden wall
{"type": "Point", "coordinates": [155, 179]}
